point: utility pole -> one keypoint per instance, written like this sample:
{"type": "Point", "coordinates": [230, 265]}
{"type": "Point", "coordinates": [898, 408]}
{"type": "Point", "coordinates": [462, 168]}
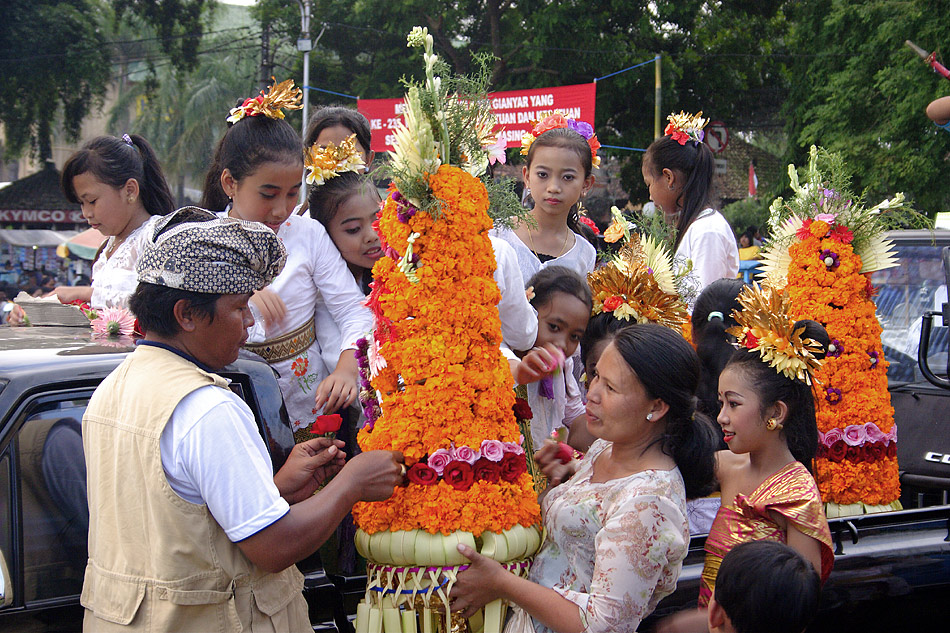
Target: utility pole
{"type": "Point", "coordinates": [305, 45]}
{"type": "Point", "coordinates": [657, 99]}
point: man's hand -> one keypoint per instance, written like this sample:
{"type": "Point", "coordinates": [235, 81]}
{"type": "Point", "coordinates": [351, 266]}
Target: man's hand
{"type": "Point", "coordinates": [309, 465]}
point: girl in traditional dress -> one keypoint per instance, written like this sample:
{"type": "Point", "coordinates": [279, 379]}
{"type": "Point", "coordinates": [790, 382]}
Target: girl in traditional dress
{"type": "Point", "coordinates": [120, 185]}
{"type": "Point", "coordinates": [257, 169]}
{"type": "Point", "coordinates": [561, 154]}
{"type": "Point", "coordinates": [678, 170]}
{"type": "Point", "coordinates": [616, 531]}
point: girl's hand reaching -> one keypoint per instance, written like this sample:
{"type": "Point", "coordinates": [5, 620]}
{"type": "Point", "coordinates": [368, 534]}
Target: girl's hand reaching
{"type": "Point", "coordinates": [270, 305]}
{"type": "Point", "coordinates": [339, 389]}
{"type": "Point", "coordinates": [538, 363]}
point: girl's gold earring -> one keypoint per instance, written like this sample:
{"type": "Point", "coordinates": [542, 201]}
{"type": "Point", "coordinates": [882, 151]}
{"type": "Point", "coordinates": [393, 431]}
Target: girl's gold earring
{"type": "Point", "coordinates": [773, 424]}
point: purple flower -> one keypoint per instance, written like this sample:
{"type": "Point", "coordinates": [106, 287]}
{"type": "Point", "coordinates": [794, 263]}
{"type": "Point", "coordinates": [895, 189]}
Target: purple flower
{"type": "Point", "coordinates": [439, 460]}
{"type": "Point", "coordinates": [493, 450]}
{"type": "Point", "coordinates": [465, 454]}
{"type": "Point", "coordinates": [830, 259]}
{"type": "Point", "coordinates": [835, 348]}
{"type": "Point", "coordinates": [649, 270]}
{"type": "Point", "coordinates": [581, 127]}
{"type": "Point", "coordinates": [546, 387]}
{"type": "Point", "coordinates": [832, 436]}
{"type": "Point", "coordinates": [833, 395]}
{"type": "Point", "coordinates": [874, 434]}
{"type": "Point", "coordinates": [875, 358]}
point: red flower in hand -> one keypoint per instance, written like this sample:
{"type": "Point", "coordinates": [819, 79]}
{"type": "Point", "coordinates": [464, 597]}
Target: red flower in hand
{"type": "Point", "coordinates": [459, 475]}
{"type": "Point", "coordinates": [513, 466]}
{"type": "Point", "coordinates": [420, 473]}
{"type": "Point", "coordinates": [326, 424]}
{"type": "Point", "coordinates": [564, 453]}
{"type": "Point", "coordinates": [612, 302]}
{"type": "Point", "coordinates": [487, 470]}
{"type": "Point", "coordinates": [522, 409]}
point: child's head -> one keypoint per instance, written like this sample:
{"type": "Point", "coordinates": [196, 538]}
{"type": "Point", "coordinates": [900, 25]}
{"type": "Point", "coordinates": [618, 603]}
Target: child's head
{"type": "Point", "coordinates": [334, 124]}
{"type": "Point", "coordinates": [600, 329]}
{"type": "Point", "coordinates": [558, 172]}
{"type": "Point", "coordinates": [680, 178]}
{"type": "Point", "coordinates": [112, 178]}
{"type": "Point", "coordinates": [764, 586]}
{"type": "Point", "coordinates": [712, 316]}
{"type": "Point", "coordinates": [258, 168]}
{"type": "Point", "coordinates": [563, 301]}
{"type": "Point", "coordinates": [745, 240]}
{"type": "Point", "coordinates": [347, 206]}
{"type": "Point", "coordinates": [755, 396]}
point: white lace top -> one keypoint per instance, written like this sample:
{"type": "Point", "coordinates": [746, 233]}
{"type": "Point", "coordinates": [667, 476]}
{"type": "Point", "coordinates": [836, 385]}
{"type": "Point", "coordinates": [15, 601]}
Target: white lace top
{"type": "Point", "coordinates": [113, 278]}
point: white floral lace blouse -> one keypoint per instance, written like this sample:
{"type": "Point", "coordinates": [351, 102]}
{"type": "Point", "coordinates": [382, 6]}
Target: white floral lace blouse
{"type": "Point", "coordinates": [113, 278]}
{"type": "Point", "coordinates": [615, 549]}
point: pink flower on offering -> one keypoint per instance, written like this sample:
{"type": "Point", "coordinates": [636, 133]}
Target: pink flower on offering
{"type": "Point", "coordinates": [466, 454]}
{"type": "Point", "coordinates": [892, 434]}
{"type": "Point", "coordinates": [113, 322]}
{"type": "Point", "coordinates": [496, 151]}
{"type": "Point", "coordinates": [832, 436]}
{"type": "Point", "coordinates": [439, 460]}
{"type": "Point", "coordinates": [515, 449]}
{"type": "Point", "coordinates": [827, 218]}
{"type": "Point", "coordinates": [855, 435]}
{"type": "Point", "coordinates": [874, 434]}
{"type": "Point", "coordinates": [492, 450]}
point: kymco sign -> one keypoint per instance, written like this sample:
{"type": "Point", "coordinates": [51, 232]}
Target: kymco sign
{"type": "Point", "coordinates": [515, 109]}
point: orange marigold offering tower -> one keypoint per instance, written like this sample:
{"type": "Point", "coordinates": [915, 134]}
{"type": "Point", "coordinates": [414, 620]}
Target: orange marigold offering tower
{"type": "Point", "coordinates": [825, 245]}
{"type": "Point", "coordinates": [445, 390]}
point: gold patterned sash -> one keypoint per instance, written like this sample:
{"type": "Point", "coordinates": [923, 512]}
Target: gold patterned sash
{"type": "Point", "coordinates": [286, 345]}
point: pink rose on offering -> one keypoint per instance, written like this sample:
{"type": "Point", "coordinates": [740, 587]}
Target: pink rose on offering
{"type": "Point", "coordinates": [874, 434]}
{"type": "Point", "coordinates": [892, 434]}
{"type": "Point", "coordinates": [827, 218]}
{"type": "Point", "coordinates": [466, 454]}
{"type": "Point", "coordinates": [514, 449]}
{"type": "Point", "coordinates": [493, 450]}
{"type": "Point", "coordinates": [832, 436]}
{"type": "Point", "coordinates": [855, 435]}
{"type": "Point", "coordinates": [439, 460]}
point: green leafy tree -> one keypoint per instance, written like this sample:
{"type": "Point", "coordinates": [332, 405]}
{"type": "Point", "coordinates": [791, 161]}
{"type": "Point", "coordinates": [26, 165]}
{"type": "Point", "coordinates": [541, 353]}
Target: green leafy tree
{"type": "Point", "coordinates": [856, 89]}
{"type": "Point", "coordinates": [179, 24]}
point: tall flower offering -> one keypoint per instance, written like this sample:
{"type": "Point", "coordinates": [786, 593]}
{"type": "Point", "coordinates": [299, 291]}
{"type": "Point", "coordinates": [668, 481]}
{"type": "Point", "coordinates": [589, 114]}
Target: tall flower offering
{"type": "Point", "coordinates": [825, 245]}
{"type": "Point", "coordinates": [445, 390]}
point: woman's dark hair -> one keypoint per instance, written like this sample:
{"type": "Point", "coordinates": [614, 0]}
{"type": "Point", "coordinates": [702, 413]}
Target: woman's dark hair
{"type": "Point", "coordinates": [154, 307]}
{"type": "Point", "coordinates": [248, 144]}
{"type": "Point", "coordinates": [574, 141]}
{"type": "Point", "coordinates": [695, 162]}
{"type": "Point", "coordinates": [600, 327]}
{"type": "Point", "coordinates": [326, 199]}
{"type": "Point", "coordinates": [332, 116]}
{"type": "Point", "coordinates": [552, 279]}
{"type": "Point", "coordinates": [712, 316]}
{"type": "Point", "coordinates": [668, 368]}
{"type": "Point", "coordinates": [113, 161]}
{"type": "Point", "coordinates": [767, 586]}
{"type": "Point", "coordinates": [800, 426]}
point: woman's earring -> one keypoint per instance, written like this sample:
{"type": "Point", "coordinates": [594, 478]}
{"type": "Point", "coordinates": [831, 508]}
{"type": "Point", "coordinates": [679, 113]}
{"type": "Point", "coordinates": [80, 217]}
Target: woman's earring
{"type": "Point", "coordinates": [131, 199]}
{"type": "Point", "coordinates": [649, 416]}
{"type": "Point", "coordinates": [773, 424]}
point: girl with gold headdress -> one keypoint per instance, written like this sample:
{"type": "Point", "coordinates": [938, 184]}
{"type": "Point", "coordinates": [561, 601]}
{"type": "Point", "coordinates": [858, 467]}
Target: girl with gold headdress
{"type": "Point", "coordinates": [678, 170]}
{"type": "Point", "coordinates": [256, 174]}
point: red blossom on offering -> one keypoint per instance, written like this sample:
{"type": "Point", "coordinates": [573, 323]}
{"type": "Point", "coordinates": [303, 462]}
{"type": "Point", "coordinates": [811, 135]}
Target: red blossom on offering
{"type": "Point", "coordinates": [837, 451]}
{"type": "Point", "coordinates": [805, 231]}
{"type": "Point", "coordinates": [751, 341]}
{"type": "Point", "coordinates": [326, 424]}
{"type": "Point", "coordinates": [841, 234]}
{"type": "Point", "coordinates": [422, 474]}
{"type": "Point", "coordinates": [513, 466]}
{"type": "Point", "coordinates": [522, 409]}
{"type": "Point", "coordinates": [459, 475]}
{"type": "Point", "coordinates": [612, 302]}
{"type": "Point", "coordinates": [564, 453]}
{"type": "Point", "coordinates": [589, 223]}
{"type": "Point", "coordinates": [892, 450]}
{"type": "Point", "coordinates": [487, 470]}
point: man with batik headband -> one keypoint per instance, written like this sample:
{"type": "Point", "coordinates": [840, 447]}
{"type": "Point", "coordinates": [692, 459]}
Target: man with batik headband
{"type": "Point", "coordinates": [189, 529]}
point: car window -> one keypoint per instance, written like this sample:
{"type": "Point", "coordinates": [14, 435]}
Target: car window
{"type": "Point", "coordinates": [904, 294]}
{"type": "Point", "coordinates": [6, 524]}
{"type": "Point", "coordinates": [53, 499]}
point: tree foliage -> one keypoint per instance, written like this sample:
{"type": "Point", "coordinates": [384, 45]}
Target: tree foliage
{"type": "Point", "coordinates": [179, 24]}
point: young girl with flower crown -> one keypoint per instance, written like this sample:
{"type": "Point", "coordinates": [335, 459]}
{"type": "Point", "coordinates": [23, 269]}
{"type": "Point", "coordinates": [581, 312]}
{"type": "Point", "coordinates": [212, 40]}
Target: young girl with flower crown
{"type": "Point", "coordinates": [561, 153]}
{"type": "Point", "coordinates": [257, 168]}
{"type": "Point", "coordinates": [678, 170]}
{"type": "Point", "coordinates": [768, 422]}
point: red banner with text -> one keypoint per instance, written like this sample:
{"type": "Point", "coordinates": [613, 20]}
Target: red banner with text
{"type": "Point", "coordinates": [515, 110]}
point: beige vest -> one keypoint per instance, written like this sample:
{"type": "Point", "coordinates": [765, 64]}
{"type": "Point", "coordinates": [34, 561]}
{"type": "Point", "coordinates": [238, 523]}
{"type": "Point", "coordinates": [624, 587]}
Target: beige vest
{"type": "Point", "coordinates": [156, 561]}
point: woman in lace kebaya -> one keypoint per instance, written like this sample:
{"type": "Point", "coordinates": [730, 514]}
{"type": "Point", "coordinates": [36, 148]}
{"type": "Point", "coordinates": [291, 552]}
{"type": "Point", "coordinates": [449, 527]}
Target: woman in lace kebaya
{"type": "Point", "coordinates": [120, 185]}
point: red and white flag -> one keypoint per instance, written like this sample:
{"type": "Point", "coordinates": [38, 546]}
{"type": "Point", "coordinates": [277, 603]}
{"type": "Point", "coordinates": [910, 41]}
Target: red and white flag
{"type": "Point", "coordinates": [753, 180]}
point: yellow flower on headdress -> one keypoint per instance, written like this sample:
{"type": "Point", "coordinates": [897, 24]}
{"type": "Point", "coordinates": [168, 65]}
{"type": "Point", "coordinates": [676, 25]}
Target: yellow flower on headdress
{"type": "Point", "coordinates": [764, 325]}
{"type": "Point", "coordinates": [686, 127]}
{"type": "Point", "coordinates": [279, 96]}
{"type": "Point", "coordinates": [323, 163]}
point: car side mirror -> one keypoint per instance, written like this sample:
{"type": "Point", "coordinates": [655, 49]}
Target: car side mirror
{"type": "Point", "coordinates": [6, 583]}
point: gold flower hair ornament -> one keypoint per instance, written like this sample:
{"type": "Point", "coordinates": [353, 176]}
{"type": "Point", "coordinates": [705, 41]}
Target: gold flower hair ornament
{"type": "Point", "coordinates": [271, 105]}
{"type": "Point", "coordinates": [324, 163]}
{"type": "Point", "coordinates": [637, 285]}
{"type": "Point", "coordinates": [686, 127]}
{"type": "Point", "coordinates": [764, 326]}
{"type": "Point", "coordinates": [556, 119]}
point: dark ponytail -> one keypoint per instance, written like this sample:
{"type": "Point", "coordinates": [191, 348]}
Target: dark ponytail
{"type": "Point", "coordinates": [695, 162]}
{"type": "Point", "coordinates": [248, 144]}
{"type": "Point", "coordinates": [114, 161]}
{"type": "Point", "coordinates": [668, 368]}
{"type": "Point", "coordinates": [712, 316]}
{"type": "Point", "coordinates": [801, 426]}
